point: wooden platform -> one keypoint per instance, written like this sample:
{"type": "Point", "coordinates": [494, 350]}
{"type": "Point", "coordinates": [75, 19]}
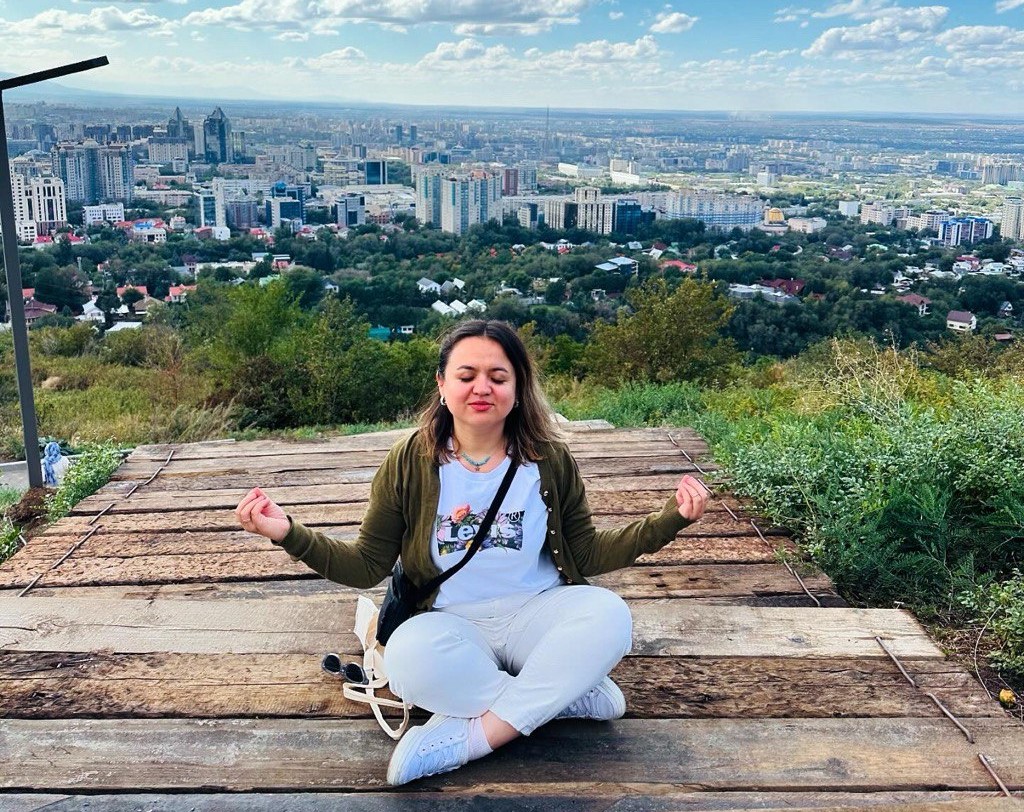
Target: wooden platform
{"type": "Point", "coordinates": [171, 661]}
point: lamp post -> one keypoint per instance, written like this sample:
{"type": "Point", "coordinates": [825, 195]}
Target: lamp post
{"type": "Point", "coordinates": [13, 269]}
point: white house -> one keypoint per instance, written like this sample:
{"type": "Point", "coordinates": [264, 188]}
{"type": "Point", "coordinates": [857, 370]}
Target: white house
{"type": "Point", "coordinates": [962, 321]}
{"type": "Point", "coordinates": [443, 309]}
{"type": "Point", "coordinates": [428, 286]}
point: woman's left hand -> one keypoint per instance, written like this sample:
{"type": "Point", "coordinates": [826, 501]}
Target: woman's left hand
{"type": "Point", "coordinates": [692, 498]}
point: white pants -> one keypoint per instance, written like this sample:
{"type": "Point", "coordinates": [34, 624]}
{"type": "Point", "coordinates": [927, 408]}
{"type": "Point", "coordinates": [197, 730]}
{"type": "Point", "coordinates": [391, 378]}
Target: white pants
{"type": "Point", "coordinates": [525, 658]}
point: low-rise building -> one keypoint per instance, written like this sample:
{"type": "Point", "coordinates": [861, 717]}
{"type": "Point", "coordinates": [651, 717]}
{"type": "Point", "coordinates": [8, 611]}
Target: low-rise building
{"type": "Point", "coordinates": [961, 321]}
{"type": "Point", "coordinates": [916, 300]}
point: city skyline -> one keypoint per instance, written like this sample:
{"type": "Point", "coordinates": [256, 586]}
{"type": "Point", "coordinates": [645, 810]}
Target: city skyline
{"type": "Point", "coordinates": [857, 55]}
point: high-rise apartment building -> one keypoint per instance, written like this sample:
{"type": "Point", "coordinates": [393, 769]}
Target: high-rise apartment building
{"type": "Point", "coordinates": [164, 150]}
{"type": "Point", "coordinates": [207, 209]}
{"type": "Point", "coordinates": [960, 230]}
{"type": "Point", "coordinates": [527, 177]}
{"type": "Point", "coordinates": [560, 214]}
{"type": "Point", "coordinates": [593, 212]}
{"type": "Point", "coordinates": [1012, 225]}
{"type": "Point", "coordinates": [929, 220]}
{"type": "Point", "coordinates": [510, 181]}
{"type": "Point", "coordinates": [94, 173]}
{"type": "Point", "coordinates": [428, 183]}
{"type": "Point", "coordinates": [241, 213]}
{"type": "Point", "coordinates": [877, 212]}
{"type": "Point", "coordinates": [40, 206]}
{"type": "Point", "coordinates": [715, 210]}
{"type": "Point", "coordinates": [468, 199]}
{"type": "Point", "coordinates": [217, 140]}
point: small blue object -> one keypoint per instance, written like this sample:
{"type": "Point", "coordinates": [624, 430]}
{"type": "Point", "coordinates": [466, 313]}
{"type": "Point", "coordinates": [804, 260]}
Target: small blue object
{"type": "Point", "coordinates": [51, 456]}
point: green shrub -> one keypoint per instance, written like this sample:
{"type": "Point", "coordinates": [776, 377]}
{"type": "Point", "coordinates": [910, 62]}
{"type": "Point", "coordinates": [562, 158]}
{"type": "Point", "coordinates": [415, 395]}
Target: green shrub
{"type": "Point", "coordinates": [1000, 607]}
{"type": "Point", "coordinates": [90, 472]}
{"type": "Point", "coordinates": [63, 341]}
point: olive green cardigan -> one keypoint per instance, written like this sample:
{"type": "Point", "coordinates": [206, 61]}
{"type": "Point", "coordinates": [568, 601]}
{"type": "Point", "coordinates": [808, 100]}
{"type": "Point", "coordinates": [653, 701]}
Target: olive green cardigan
{"type": "Point", "coordinates": [400, 517]}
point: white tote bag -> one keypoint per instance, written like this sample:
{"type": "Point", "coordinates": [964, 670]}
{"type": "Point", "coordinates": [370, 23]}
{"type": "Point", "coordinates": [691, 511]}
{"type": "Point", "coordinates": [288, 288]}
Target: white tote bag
{"type": "Point", "coordinates": [365, 629]}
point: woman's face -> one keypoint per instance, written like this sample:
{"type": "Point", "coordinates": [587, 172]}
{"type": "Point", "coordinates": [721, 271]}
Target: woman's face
{"type": "Point", "coordinates": [479, 384]}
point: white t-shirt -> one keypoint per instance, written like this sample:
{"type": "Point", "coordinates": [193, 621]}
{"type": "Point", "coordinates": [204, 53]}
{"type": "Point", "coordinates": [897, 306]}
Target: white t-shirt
{"type": "Point", "coordinates": [513, 558]}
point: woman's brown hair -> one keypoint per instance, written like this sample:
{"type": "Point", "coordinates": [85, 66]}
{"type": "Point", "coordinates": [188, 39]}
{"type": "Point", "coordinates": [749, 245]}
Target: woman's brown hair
{"type": "Point", "coordinates": [528, 426]}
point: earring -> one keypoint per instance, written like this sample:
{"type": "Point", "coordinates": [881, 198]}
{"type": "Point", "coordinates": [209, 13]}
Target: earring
{"type": "Point", "coordinates": [443, 401]}
{"type": "Point", "coordinates": [516, 404]}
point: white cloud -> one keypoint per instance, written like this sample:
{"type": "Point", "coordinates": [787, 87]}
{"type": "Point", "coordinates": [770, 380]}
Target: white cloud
{"type": "Point", "coordinates": [790, 14]}
{"type": "Point", "coordinates": [893, 30]}
{"type": "Point", "coordinates": [857, 9]}
{"type": "Point", "coordinates": [673, 22]}
{"type": "Point", "coordinates": [250, 15]}
{"type": "Point", "coordinates": [1008, 5]}
{"type": "Point", "coordinates": [132, 2]}
{"type": "Point", "coordinates": [53, 24]}
{"type": "Point", "coordinates": [467, 17]}
{"type": "Point", "coordinates": [618, 15]}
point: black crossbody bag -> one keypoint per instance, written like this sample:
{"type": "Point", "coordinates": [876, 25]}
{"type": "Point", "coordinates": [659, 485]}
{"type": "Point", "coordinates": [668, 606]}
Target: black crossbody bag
{"type": "Point", "coordinates": [403, 596]}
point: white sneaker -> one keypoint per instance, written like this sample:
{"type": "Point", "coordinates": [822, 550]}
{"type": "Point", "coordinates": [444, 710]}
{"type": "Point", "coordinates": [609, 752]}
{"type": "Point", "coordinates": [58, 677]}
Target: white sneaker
{"type": "Point", "coordinates": [441, 745]}
{"type": "Point", "coordinates": [602, 702]}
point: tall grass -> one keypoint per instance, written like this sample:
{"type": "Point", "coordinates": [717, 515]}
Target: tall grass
{"type": "Point", "coordinates": [904, 485]}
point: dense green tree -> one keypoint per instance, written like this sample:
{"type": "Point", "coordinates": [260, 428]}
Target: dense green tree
{"type": "Point", "coordinates": [668, 336]}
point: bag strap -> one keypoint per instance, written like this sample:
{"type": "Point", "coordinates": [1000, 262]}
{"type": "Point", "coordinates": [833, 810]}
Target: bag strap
{"type": "Point", "coordinates": [478, 540]}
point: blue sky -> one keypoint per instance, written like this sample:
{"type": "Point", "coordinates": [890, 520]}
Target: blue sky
{"type": "Point", "coordinates": [864, 55]}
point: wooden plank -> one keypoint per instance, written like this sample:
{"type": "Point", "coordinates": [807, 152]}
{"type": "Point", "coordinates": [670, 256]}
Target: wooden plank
{"type": "Point", "coordinates": [567, 796]}
{"type": "Point", "coordinates": [674, 580]}
{"type": "Point", "coordinates": [660, 627]}
{"type": "Point", "coordinates": [383, 440]}
{"type": "Point", "coordinates": [311, 450]}
{"type": "Point", "coordinates": [257, 468]}
{"type": "Point", "coordinates": [41, 685]}
{"type": "Point", "coordinates": [314, 588]}
{"type": "Point", "coordinates": [716, 523]}
{"type": "Point", "coordinates": [198, 486]}
{"type": "Point", "coordinates": [310, 754]}
{"type": "Point", "coordinates": [257, 559]}
{"type": "Point", "coordinates": [609, 502]}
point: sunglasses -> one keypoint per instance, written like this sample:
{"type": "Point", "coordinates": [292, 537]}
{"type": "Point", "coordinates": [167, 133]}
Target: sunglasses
{"type": "Point", "coordinates": [350, 672]}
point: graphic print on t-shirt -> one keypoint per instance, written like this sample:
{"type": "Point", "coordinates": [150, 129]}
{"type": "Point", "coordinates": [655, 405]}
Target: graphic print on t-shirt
{"type": "Point", "coordinates": [455, 531]}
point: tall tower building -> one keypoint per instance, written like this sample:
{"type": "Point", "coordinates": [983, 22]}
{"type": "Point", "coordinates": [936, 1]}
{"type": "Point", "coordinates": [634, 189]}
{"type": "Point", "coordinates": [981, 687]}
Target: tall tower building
{"type": "Point", "coordinates": [40, 206]}
{"type": "Point", "coordinates": [1012, 227]}
{"type": "Point", "coordinates": [94, 173]}
{"type": "Point", "coordinates": [593, 213]}
{"type": "Point", "coordinates": [428, 196]}
{"type": "Point", "coordinates": [469, 199]}
{"type": "Point", "coordinates": [217, 138]}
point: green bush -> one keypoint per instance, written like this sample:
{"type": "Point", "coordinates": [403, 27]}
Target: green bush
{"type": "Point", "coordinates": [63, 341]}
{"type": "Point", "coordinates": [90, 472]}
{"type": "Point", "coordinates": [1000, 606]}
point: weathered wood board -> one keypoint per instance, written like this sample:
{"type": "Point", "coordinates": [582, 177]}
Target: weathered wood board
{"type": "Point", "coordinates": [567, 796]}
{"type": "Point", "coordinates": [726, 754]}
{"type": "Point", "coordinates": [660, 627]}
{"type": "Point", "coordinates": [49, 685]}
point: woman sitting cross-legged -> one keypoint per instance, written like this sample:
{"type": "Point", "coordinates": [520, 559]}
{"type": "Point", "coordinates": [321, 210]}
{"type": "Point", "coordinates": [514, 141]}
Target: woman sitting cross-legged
{"type": "Point", "coordinates": [517, 637]}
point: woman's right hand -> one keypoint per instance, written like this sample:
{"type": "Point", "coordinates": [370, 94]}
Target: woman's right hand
{"type": "Point", "coordinates": [257, 514]}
